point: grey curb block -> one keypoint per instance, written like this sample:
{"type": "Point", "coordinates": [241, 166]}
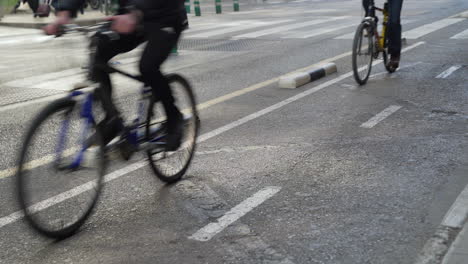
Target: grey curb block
{"type": "Point", "coordinates": [301, 78]}
{"type": "Point", "coordinates": [436, 249]}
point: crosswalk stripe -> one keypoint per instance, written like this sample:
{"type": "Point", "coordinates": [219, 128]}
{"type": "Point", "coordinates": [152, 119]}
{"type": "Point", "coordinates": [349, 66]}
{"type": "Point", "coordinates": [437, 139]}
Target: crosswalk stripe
{"type": "Point", "coordinates": [461, 35]}
{"type": "Point", "coordinates": [317, 32]}
{"type": "Point", "coordinates": [429, 28]}
{"type": "Point", "coordinates": [286, 27]}
{"type": "Point", "coordinates": [351, 35]}
{"type": "Point", "coordinates": [198, 28]}
{"type": "Point", "coordinates": [235, 29]}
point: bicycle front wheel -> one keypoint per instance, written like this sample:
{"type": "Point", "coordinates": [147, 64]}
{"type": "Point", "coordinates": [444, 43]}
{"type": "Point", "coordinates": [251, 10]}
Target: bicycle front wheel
{"type": "Point", "coordinates": [363, 52]}
{"type": "Point", "coordinates": [171, 166]}
{"type": "Point", "coordinates": [58, 183]}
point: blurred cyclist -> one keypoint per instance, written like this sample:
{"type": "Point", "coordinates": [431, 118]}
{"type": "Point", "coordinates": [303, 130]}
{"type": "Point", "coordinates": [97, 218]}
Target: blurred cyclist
{"type": "Point", "coordinates": [157, 22]}
{"type": "Point", "coordinates": [394, 30]}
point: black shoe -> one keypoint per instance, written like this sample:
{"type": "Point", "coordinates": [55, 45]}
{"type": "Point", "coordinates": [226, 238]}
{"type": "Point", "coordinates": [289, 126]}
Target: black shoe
{"type": "Point", "coordinates": [394, 62]}
{"type": "Point", "coordinates": [175, 130]}
{"type": "Point", "coordinates": [126, 148]}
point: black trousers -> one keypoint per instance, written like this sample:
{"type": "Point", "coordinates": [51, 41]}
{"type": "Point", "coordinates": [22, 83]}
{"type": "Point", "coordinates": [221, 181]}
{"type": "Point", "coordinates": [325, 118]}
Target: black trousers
{"type": "Point", "coordinates": [394, 25]}
{"type": "Point", "coordinates": [160, 41]}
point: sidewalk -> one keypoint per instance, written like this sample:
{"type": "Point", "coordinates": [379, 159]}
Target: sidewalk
{"type": "Point", "coordinates": [458, 252]}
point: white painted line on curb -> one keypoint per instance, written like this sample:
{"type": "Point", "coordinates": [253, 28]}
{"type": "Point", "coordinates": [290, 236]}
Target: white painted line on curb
{"type": "Point", "coordinates": [130, 168]}
{"type": "Point", "coordinates": [448, 72]}
{"type": "Point", "coordinates": [381, 116]}
{"type": "Point", "coordinates": [210, 230]}
{"type": "Point", "coordinates": [458, 213]}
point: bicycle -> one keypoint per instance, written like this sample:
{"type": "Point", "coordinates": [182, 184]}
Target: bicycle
{"type": "Point", "coordinates": [59, 162]}
{"type": "Point", "coordinates": [369, 43]}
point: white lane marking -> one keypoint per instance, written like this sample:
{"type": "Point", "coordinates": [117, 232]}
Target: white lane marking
{"type": "Point", "coordinates": [235, 29]}
{"type": "Point", "coordinates": [269, 31]}
{"type": "Point", "coordinates": [12, 31]}
{"type": "Point", "coordinates": [351, 35]}
{"type": "Point", "coordinates": [70, 194]}
{"type": "Point", "coordinates": [461, 35]}
{"type": "Point", "coordinates": [458, 213]}
{"type": "Point", "coordinates": [448, 72]}
{"type": "Point", "coordinates": [30, 81]}
{"type": "Point", "coordinates": [25, 40]}
{"type": "Point", "coordinates": [381, 116]}
{"type": "Point", "coordinates": [130, 168]}
{"type": "Point", "coordinates": [429, 28]}
{"type": "Point", "coordinates": [320, 11]}
{"type": "Point", "coordinates": [317, 32]}
{"type": "Point", "coordinates": [212, 26]}
{"type": "Point", "coordinates": [210, 230]}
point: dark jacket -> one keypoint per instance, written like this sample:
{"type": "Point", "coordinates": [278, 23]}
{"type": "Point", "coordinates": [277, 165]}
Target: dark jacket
{"type": "Point", "coordinates": [161, 12]}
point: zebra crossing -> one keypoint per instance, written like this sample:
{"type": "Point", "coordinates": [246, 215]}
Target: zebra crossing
{"type": "Point", "coordinates": [335, 27]}
{"type": "Point", "coordinates": [342, 27]}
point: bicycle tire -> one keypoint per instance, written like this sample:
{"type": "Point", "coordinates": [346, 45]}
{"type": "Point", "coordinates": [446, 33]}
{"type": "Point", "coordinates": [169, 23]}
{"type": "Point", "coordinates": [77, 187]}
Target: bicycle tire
{"type": "Point", "coordinates": [23, 178]}
{"type": "Point", "coordinates": [357, 42]}
{"type": "Point", "coordinates": [191, 133]}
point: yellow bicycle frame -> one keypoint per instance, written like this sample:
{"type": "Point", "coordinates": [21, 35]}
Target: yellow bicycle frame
{"type": "Point", "coordinates": [384, 28]}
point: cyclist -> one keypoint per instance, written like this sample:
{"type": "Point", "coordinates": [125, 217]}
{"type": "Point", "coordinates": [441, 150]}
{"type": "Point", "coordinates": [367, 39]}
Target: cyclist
{"type": "Point", "coordinates": [394, 30]}
{"type": "Point", "coordinates": [157, 22]}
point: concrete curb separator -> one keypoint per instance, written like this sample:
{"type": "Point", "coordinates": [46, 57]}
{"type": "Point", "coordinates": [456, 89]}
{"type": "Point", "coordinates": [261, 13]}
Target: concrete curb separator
{"type": "Point", "coordinates": [435, 250]}
{"type": "Point", "coordinates": [298, 79]}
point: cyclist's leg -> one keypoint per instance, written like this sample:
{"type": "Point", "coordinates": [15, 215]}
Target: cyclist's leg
{"type": "Point", "coordinates": [106, 50]}
{"type": "Point", "coordinates": [394, 27]}
{"type": "Point", "coordinates": [365, 5]}
{"type": "Point", "coordinates": [160, 43]}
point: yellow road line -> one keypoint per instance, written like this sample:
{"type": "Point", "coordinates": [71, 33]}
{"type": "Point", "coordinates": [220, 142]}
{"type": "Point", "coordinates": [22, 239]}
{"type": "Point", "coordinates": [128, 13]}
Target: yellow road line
{"type": "Point", "coordinates": [48, 158]}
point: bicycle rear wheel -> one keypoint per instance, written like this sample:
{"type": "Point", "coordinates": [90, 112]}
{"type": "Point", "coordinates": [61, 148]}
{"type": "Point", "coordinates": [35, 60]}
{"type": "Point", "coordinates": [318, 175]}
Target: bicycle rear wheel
{"type": "Point", "coordinates": [171, 166]}
{"type": "Point", "coordinates": [363, 52]}
{"type": "Point", "coordinates": [55, 194]}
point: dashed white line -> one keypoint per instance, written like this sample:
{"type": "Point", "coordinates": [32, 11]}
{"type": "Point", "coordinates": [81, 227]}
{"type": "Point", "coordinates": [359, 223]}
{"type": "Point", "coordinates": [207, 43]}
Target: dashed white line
{"type": "Point", "coordinates": [381, 116]}
{"type": "Point", "coordinates": [210, 230]}
{"type": "Point", "coordinates": [445, 74]}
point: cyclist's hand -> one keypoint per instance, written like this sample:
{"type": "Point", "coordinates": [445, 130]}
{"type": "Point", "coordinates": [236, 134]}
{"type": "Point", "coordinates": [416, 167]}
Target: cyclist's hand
{"type": "Point", "coordinates": [124, 24]}
{"type": "Point", "coordinates": [54, 28]}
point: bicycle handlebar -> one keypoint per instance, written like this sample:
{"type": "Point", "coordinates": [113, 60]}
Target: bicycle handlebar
{"type": "Point", "coordinates": [103, 27]}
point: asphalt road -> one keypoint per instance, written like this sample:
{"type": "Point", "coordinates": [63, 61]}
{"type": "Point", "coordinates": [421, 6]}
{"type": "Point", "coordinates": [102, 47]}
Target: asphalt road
{"type": "Point", "coordinates": [339, 192]}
